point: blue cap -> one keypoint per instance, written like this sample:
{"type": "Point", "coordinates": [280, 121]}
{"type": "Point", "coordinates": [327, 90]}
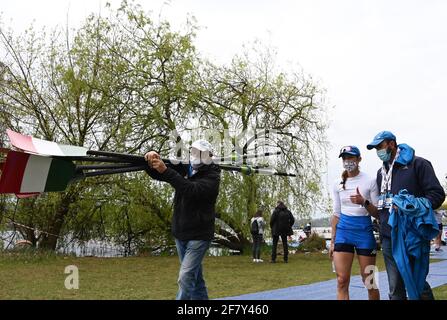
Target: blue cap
{"type": "Point", "coordinates": [379, 138]}
{"type": "Point", "coordinates": [350, 150]}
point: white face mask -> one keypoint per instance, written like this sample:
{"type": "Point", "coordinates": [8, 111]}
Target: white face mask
{"type": "Point", "coordinates": [350, 165]}
{"type": "Point", "coordinates": [195, 161]}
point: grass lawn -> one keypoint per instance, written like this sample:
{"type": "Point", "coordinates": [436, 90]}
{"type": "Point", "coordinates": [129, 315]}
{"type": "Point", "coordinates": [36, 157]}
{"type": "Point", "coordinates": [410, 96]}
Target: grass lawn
{"type": "Point", "coordinates": [440, 292]}
{"type": "Point", "coordinates": [43, 277]}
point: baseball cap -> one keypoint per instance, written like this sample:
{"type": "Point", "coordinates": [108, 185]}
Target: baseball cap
{"type": "Point", "coordinates": [379, 138]}
{"type": "Point", "coordinates": [203, 145]}
{"type": "Point", "coordinates": [350, 150]}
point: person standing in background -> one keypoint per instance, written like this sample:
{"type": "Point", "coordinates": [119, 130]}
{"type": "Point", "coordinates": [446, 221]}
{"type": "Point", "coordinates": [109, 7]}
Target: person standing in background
{"type": "Point", "coordinates": [437, 241]}
{"type": "Point", "coordinates": [257, 225]}
{"type": "Point", "coordinates": [281, 223]}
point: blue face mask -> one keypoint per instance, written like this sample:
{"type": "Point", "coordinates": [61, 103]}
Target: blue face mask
{"type": "Point", "coordinates": [384, 154]}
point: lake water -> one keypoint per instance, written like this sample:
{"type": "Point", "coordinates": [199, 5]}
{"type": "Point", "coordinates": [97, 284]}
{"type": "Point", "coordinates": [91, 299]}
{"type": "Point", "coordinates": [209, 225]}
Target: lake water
{"type": "Point", "coordinates": [96, 248]}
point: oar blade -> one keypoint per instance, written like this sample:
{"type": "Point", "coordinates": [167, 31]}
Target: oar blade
{"type": "Point", "coordinates": [43, 147]}
{"type": "Point", "coordinates": [25, 173]}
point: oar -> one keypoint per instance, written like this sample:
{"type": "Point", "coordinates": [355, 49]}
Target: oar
{"type": "Point", "coordinates": [49, 148]}
{"type": "Point", "coordinates": [54, 174]}
{"type": "Point", "coordinates": [137, 159]}
{"type": "Point", "coordinates": [95, 159]}
{"type": "Point", "coordinates": [115, 155]}
{"type": "Point", "coordinates": [247, 170]}
{"type": "Point", "coordinates": [104, 166]}
{"type": "Point", "coordinates": [29, 174]}
{"type": "Point", "coordinates": [62, 156]}
{"type": "Point", "coordinates": [114, 171]}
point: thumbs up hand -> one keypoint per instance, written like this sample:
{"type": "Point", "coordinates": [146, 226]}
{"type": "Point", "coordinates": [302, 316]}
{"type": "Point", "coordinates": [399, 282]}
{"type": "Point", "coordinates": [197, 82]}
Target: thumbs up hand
{"type": "Point", "coordinates": [357, 198]}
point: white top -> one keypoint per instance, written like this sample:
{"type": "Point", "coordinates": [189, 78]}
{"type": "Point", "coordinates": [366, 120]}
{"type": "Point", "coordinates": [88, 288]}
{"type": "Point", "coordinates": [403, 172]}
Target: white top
{"type": "Point", "coordinates": [261, 223]}
{"type": "Point", "coordinates": [342, 202]}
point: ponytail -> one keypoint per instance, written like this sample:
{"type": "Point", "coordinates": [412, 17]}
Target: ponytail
{"type": "Point", "coordinates": [344, 176]}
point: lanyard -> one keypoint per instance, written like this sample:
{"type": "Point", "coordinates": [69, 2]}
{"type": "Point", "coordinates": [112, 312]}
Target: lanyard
{"type": "Point", "coordinates": [387, 176]}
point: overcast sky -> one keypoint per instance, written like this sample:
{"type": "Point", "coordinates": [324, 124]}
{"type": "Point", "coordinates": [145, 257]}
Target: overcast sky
{"type": "Point", "coordinates": [383, 63]}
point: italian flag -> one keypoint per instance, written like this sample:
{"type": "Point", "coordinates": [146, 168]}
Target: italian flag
{"type": "Point", "coordinates": [25, 173]}
{"type": "Point", "coordinates": [44, 147]}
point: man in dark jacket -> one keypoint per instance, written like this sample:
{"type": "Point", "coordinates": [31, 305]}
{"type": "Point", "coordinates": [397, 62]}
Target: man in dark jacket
{"type": "Point", "coordinates": [196, 189]}
{"type": "Point", "coordinates": [401, 169]}
{"type": "Point", "coordinates": [281, 223]}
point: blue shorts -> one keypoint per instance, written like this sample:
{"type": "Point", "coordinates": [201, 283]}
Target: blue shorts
{"type": "Point", "coordinates": [355, 231]}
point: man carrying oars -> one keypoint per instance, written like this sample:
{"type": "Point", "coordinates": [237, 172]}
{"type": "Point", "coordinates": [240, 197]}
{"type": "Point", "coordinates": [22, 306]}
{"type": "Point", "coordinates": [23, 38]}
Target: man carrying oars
{"type": "Point", "coordinates": [196, 189]}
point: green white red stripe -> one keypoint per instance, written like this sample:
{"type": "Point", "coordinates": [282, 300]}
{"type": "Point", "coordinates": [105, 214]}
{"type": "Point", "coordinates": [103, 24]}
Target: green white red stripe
{"type": "Point", "coordinates": [44, 147]}
{"type": "Point", "coordinates": [27, 173]}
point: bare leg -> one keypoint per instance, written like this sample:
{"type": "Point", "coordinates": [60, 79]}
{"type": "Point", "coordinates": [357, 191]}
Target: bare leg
{"type": "Point", "coordinates": [343, 265]}
{"type": "Point", "coordinates": [367, 266]}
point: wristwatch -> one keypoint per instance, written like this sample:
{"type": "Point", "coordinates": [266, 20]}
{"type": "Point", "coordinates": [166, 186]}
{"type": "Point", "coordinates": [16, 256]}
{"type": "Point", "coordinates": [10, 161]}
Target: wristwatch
{"type": "Point", "coordinates": [366, 203]}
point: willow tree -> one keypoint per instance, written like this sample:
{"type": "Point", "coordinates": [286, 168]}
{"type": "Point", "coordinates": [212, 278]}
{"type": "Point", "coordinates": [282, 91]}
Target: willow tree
{"type": "Point", "coordinates": [251, 94]}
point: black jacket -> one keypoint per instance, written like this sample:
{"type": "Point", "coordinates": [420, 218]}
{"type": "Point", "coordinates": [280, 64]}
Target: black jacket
{"type": "Point", "coordinates": [194, 200]}
{"type": "Point", "coordinates": [281, 222]}
{"type": "Point", "coordinates": [419, 178]}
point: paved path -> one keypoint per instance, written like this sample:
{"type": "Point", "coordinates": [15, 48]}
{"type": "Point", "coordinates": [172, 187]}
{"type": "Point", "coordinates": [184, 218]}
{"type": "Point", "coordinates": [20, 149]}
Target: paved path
{"type": "Point", "coordinates": [326, 290]}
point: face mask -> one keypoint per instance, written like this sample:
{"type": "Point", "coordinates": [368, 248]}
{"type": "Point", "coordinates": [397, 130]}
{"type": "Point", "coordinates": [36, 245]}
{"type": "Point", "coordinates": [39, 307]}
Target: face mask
{"type": "Point", "coordinates": [349, 165]}
{"type": "Point", "coordinates": [384, 154]}
{"type": "Point", "coordinates": [195, 162]}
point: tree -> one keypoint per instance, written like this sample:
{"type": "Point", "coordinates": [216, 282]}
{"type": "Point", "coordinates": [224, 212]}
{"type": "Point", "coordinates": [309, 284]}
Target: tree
{"type": "Point", "coordinates": [251, 94]}
{"type": "Point", "coordinates": [116, 85]}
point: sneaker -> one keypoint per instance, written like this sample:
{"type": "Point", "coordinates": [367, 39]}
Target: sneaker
{"type": "Point", "coordinates": [260, 260]}
{"type": "Point", "coordinates": [255, 260]}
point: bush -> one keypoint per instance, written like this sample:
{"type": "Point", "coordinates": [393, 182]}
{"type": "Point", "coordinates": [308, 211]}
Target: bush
{"type": "Point", "coordinates": [313, 244]}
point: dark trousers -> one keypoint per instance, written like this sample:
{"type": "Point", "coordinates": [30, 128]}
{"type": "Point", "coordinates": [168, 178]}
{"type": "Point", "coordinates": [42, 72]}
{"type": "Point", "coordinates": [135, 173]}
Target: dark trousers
{"type": "Point", "coordinates": [284, 245]}
{"type": "Point", "coordinates": [396, 283]}
{"type": "Point", "coordinates": [257, 243]}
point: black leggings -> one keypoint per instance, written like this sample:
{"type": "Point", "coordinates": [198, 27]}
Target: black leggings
{"type": "Point", "coordinates": [284, 245]}
{"type": "Point", "coordinates": [344, 247]}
